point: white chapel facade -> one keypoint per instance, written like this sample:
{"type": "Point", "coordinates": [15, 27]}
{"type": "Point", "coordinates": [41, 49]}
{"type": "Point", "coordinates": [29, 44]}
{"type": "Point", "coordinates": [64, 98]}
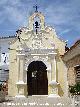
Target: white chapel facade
{"type": "Point", "coordinates": [35, 63]}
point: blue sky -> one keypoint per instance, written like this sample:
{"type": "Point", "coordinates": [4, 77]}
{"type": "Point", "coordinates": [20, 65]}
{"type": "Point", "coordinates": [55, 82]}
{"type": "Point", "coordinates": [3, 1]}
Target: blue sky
{"type": "Point", "coordinates": [63, 15]}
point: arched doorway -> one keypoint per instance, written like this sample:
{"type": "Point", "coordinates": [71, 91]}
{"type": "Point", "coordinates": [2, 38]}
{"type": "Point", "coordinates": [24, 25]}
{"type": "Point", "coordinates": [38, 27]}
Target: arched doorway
{"type": "Point", "coordinates": [37, 78]}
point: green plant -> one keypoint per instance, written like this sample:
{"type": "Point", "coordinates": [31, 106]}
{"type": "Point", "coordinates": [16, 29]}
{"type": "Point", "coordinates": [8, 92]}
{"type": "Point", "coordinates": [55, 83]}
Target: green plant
{"type": "Point", "coordinates": [72, 90]}
{"type": "Point", "coordinates": [77, 86]}
{"type": "Point", "coordinates": [75, 89]}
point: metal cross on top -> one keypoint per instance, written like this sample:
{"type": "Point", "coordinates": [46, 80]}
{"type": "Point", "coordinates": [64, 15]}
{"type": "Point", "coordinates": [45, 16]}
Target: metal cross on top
{"type": "Point", "coordinates": [36, 7]}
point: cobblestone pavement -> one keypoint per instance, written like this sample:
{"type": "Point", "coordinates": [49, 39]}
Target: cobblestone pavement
{"type": "Point", "coordinates": [37, 101]}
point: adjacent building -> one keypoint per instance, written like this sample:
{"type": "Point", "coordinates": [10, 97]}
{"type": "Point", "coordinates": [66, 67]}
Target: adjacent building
{"type": "Point", "coordinates": [4, 57]}
{"type": "Point", "coordinates": [72, 61]}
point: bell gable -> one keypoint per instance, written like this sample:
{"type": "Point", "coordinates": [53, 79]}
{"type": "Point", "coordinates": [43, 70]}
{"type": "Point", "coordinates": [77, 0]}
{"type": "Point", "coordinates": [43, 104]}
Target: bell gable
{"type": "Point", "coordinates": [38, 36]}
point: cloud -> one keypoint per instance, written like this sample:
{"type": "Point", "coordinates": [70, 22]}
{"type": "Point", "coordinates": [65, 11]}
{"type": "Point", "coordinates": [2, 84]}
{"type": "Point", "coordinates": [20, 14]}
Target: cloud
{"type": "Point", "coordinates": [61, 14]}
{"type": "Point", "coordinates": [65, 31]}
{"type": "Point", "coordinates": [2, 18]}
{"type": "Point", "coordinates": [3, 2]}
{"type": "Point", "coordinates": [57, 13]}
{"type": "Point", "coordinates": [10, 11]}
{"type": "Point", "coordinates": [14, 15]}
{"type": "Point", "coordinates": [9, 2]}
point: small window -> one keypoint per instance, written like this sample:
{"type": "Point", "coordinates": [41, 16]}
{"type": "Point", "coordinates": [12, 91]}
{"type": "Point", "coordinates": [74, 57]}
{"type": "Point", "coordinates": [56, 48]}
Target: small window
{"type": "Point", "coordinates": [77, 69]}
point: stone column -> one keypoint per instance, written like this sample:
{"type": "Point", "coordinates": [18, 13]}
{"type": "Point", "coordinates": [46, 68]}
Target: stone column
{"type": "Point", "coordinates": [53, 83]}
{"type": "Point", "coordinates": [21, 68]}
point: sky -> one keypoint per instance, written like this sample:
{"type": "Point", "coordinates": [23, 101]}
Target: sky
{"type": "Point", "coordinates": [62, 15]}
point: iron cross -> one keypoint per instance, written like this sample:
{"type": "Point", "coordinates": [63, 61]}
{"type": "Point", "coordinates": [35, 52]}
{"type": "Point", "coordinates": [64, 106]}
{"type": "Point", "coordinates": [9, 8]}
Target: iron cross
{"type": "Point", "coordinates": [36, 7]}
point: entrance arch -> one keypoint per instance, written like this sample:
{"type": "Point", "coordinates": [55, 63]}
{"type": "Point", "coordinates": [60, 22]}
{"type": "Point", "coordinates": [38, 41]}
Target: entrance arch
{"type": "Point", "coordinates": [37, 78]}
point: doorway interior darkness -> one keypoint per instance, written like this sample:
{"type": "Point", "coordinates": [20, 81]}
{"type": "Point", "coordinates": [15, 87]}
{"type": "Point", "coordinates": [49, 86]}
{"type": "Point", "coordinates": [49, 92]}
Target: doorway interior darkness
{"type": "Point", "coordinates": [37, 78]}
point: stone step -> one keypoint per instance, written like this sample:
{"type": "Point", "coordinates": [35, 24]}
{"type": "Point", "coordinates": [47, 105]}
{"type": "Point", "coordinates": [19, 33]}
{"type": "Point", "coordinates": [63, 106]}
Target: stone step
{"type": "Point", "coordinates": [36, 101]}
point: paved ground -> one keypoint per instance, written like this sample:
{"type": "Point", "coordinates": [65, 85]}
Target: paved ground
{"type": "Point", "coordinates": [39, 101]}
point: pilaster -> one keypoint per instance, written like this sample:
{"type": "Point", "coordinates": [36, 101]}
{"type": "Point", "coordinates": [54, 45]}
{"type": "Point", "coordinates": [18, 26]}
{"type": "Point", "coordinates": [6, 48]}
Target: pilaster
{"type": "Point", "coordinates": [53, 70]}
{"type": "Point", "coordinates": [53, 84]}
{"type": "Point", "coordinates": [21, 84]}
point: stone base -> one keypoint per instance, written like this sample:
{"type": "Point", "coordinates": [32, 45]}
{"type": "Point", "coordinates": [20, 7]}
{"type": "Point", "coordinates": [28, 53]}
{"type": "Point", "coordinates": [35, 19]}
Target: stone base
{"type": "Point", "coordinates": [53, 96]}
{"type": "Point", "coordinates": [20, 96]}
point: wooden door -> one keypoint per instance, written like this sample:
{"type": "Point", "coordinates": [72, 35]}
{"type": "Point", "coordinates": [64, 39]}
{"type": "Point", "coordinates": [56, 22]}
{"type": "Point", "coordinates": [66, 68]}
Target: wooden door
{"type": "Point", "coordinates": [37, 79]}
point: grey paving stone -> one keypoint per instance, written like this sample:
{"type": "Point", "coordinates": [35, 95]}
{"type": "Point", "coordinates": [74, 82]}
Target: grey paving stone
{"type": "Point", "coordinates": [38, 101]}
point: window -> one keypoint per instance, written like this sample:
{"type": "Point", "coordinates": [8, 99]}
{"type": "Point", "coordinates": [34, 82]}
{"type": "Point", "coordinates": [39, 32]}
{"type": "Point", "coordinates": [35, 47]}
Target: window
{"type": "Point", "coordinates": [77, 69]}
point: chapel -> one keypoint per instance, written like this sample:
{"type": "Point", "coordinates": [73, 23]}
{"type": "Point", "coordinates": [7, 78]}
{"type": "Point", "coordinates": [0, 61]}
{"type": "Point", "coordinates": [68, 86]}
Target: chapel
{"type": "Point", "coordinates": [35, 61]}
